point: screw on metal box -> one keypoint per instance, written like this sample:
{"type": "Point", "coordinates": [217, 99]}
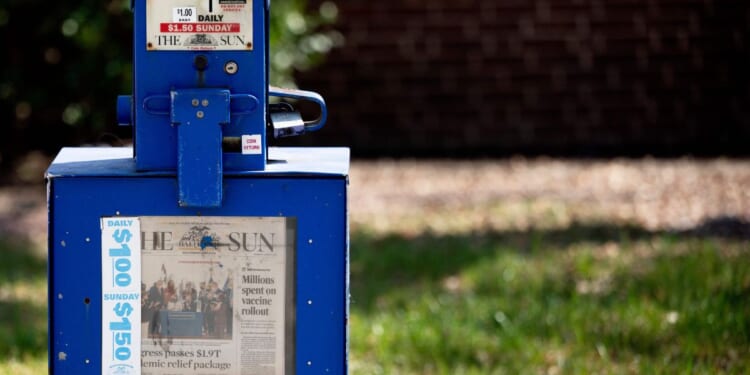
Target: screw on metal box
{"type": "Point", "coordinates": [231, 67]}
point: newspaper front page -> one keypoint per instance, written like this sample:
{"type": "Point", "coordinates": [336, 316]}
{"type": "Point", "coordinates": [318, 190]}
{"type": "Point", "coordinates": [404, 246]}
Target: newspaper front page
{"type": "Point", "coordinates": [217, 295]}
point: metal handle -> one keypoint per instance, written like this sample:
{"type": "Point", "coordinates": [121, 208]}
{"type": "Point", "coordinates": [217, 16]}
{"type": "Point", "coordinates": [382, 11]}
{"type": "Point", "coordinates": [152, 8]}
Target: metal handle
{"type": "Point", "coordinates": [310, 96]}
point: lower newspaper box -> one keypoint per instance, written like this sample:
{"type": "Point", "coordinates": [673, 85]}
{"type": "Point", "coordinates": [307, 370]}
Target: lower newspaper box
{"type": "Point", "coordinates": [141, 285]}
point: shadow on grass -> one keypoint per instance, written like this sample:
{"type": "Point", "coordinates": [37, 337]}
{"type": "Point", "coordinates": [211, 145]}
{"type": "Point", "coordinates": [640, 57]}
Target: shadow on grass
{"type": "Point", "coordinates": [23, 315]}
{"type": "Point", "coordinates": [688, 303]}
{"type": "Point", "coordinates": [381, 263]}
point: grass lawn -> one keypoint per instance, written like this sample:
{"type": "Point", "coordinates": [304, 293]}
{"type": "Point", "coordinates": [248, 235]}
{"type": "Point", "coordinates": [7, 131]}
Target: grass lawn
{"type": "Point", "coordinates": [23, 310]}
{"type": "Point", "coordinates": [581, 300]}
{"type": "Point", "coordinates": [577, 300]}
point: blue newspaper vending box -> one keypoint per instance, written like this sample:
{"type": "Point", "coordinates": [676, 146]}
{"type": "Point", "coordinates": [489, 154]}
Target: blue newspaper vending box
{"type": "Point", "coordinates": [200, 249]}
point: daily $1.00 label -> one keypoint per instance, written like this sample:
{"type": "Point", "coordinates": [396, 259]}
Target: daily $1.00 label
{"type": "Point", "coordinates": [202, 25]}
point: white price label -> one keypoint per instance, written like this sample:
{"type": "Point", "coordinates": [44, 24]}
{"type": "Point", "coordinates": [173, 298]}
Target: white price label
{"type": "Point", "coordinates": [184, 14]}
{"type": "Point", "coordinates": [121, 295]}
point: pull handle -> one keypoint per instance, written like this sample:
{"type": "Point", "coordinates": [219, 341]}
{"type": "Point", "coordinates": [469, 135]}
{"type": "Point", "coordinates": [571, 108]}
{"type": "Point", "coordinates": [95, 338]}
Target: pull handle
{"type": "Point", "coordinates": [310, 96]}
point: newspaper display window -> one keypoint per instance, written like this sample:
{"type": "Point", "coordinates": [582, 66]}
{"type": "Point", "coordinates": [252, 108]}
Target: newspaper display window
{"type": "Point", "coordinates": [217, 295]}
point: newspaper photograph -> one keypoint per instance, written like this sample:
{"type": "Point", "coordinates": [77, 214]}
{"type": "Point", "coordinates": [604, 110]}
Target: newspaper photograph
{"type": "Point", "coordinates": [217, 295]}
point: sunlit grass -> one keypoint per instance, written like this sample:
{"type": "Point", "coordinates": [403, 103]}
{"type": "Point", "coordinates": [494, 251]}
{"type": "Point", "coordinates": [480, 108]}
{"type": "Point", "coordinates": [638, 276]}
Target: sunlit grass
{"type": "Point", "coordinates": [25, 366]}
{"type": "Point", "coordinates": [23, 309]}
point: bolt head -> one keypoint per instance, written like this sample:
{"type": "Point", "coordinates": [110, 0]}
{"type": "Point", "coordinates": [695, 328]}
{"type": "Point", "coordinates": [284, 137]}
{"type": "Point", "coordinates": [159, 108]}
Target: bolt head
{"type": "Point", "coordinates": [231, 67]}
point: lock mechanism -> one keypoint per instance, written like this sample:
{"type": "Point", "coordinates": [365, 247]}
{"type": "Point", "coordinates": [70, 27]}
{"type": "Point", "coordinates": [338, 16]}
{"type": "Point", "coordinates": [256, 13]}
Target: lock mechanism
{"type": "Point", "coordinates": [286, 122]}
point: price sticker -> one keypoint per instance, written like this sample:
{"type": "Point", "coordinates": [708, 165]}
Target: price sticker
{"type": "Point", "coordinates": [184, 14]}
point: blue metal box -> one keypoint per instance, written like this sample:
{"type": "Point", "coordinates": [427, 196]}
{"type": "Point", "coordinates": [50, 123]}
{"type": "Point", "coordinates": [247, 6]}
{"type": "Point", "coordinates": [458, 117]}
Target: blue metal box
{"type": "Point", "coordinates": [308, 185]}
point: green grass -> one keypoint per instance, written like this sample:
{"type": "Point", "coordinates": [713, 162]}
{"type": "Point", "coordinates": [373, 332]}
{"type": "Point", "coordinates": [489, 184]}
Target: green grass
{"type": "Point", "coordinates": [587, 299]}
{"type": "Point", "coordinates": [579, 300]}
{"type": "Point", "coordinates": [23, 310]}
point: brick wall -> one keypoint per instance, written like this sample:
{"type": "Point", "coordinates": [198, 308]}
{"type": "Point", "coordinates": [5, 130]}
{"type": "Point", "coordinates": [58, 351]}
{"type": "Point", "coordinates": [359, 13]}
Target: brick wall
{"type": "Point", "coordinates": [587, 77]}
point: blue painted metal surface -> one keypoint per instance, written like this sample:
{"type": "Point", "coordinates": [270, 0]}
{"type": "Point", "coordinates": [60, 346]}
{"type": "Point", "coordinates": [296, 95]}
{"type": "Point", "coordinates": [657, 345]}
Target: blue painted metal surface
{"type": "Point", "coordinates": [239, 75]}
{"type": "Point", "coordinates": [198, 115]}
{"type": "Point", "coordinates": [307, 184]}
{"type": "Point", "coordinates": [156, 73]}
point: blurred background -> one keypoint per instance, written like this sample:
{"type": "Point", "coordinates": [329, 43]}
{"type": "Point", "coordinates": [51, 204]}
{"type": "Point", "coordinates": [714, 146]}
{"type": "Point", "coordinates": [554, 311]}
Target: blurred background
{"type": "Point", "coordinates": [586, 77]}
{"type": "Point", "coordinates": [538, 186]}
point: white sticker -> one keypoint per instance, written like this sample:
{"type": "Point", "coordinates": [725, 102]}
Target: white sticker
{"type": "Point", "coordinates": [252, 145]}
{"type": "Point", "coordinates": [121, 295]}
{"type": "Point", "coordinates": [199, 25]}
{"type": "Point", "coordinates": [184, 14]}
